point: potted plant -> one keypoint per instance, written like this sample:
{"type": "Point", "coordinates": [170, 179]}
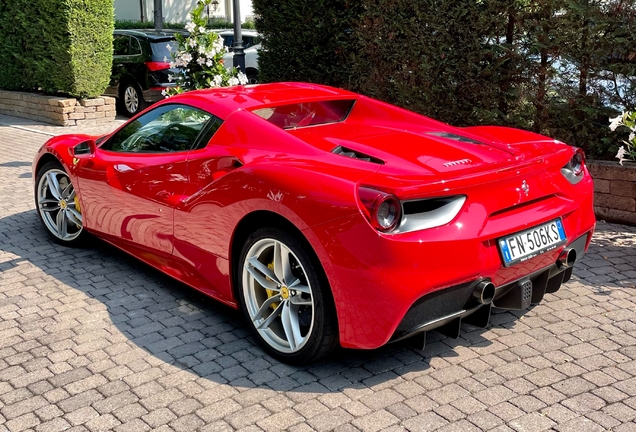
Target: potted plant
{"type": "Point", "coordinates": [199, 58]}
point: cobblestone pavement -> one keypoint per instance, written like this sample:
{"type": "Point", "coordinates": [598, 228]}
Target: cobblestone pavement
{"type": "Point", "coordinates": [91, 339]}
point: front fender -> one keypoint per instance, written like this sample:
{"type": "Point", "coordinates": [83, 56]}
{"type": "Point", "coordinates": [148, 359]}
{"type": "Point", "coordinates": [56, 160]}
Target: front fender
{"type": "Point", "coordinates": [60, 148]}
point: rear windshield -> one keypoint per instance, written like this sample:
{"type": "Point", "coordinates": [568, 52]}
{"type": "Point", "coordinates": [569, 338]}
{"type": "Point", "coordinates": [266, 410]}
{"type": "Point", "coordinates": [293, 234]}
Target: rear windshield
{"type": "Point", "coordinates": [306, 114]}
{"type": "Point", "coordinates": [161, 50]}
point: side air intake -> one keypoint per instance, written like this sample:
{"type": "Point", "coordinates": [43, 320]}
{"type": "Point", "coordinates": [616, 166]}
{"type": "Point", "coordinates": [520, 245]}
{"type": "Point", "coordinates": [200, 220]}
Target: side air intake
{"type": "Point", "coordinates": [353, 154]}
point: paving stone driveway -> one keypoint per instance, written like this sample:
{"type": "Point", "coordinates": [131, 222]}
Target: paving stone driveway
{"type": "Point", "coordinates": [93, 340]}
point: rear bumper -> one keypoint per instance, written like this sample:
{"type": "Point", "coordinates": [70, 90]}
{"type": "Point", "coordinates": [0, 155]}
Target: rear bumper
{"type": "Point", "coordinates": [447, 309]}
{"type": "Point", "coordinates": [154, 94]}
{"type": "Point", "coordinates": [378, 281]}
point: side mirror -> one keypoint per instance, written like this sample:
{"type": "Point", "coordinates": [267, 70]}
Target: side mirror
{"type": "Point", "coordinates": [84, 149]}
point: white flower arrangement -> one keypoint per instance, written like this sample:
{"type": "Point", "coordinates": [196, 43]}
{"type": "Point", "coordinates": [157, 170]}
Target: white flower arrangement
{"type": "Point", "coordinates": [199, 56]}
{"type": "Point", "coordinates": [628, 151]}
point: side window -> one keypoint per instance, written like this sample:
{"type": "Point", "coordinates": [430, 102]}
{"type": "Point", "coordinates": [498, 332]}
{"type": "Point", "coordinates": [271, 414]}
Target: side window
{"type": "Point", "coordinates": [135, 48]}
{"type": "Point", "coordinates": [166, 129]}
{"type": "Point", "coordinates": [208, 132]}
{"type": "Point", "coordinates": [248, 41]}
{"type": "Point", "coordinates": [121, 45]}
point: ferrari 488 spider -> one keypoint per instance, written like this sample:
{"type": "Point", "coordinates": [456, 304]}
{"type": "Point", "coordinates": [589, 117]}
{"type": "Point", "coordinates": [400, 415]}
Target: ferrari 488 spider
{"type": "Point", "coordinates": [328, 217]}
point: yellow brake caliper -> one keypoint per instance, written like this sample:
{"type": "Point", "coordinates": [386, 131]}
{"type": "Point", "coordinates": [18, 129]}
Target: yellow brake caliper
{"type": "Point", "coordinates": [271, 293]}
{"type": "Point", "coordinates": [78, 208]}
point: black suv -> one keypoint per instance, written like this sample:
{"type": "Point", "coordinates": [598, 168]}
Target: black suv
{"type": "Point", "coordinates": [141, 65]}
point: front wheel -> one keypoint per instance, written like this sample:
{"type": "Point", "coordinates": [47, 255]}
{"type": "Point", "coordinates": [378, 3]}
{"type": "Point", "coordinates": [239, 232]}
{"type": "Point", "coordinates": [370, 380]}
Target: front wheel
{"type": "Point", "coordinates": [286, 301]}
{"type": "Point", "coordinates": [58, 206]}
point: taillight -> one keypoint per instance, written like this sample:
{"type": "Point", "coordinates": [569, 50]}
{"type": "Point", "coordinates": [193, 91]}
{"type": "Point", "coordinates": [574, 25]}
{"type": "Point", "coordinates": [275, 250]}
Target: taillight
{"type": "Point", "coordinates": [574, 169]}
{"type": "Point", "coordinates": [156, 66]}
{"type": "Point", "coordinates": [382, 210]}
{"type": "Point", "coordinates": [577, 162]}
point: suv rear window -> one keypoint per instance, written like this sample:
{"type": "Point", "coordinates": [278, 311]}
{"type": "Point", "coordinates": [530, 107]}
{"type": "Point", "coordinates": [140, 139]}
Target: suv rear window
{"type": "Point", "coordinates": [160, 50]}
{"type": "Point", "coordinates": [306, 113]}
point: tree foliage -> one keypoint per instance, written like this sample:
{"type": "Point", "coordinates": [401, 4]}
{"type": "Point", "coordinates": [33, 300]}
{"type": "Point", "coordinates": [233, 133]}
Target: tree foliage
{"type": "Point", "coordinates": [558, 67]}
{"type": "Point", "coordinates": [56, 45]}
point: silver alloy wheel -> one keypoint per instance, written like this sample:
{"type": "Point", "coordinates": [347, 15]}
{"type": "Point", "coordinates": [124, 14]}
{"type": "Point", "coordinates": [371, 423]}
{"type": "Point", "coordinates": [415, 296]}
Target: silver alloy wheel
{"type": "Point", "coordinates": [57, 206]}
{"type": "Point", "coordinates": [278, 295]}
{"type": "Point", "coordinates": [131, 99]}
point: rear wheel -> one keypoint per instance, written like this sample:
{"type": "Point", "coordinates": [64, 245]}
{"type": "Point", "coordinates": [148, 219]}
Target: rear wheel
{"type": "Point", "coordinates": [286, 301]}
{"type": "Point", "coordinates": [131, 99]}
{"type": "Point", "coordinates": [58, 206]}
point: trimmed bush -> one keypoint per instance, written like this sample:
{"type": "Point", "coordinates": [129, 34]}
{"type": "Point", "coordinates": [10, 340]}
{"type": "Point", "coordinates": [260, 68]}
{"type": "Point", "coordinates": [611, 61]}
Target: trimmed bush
{"type": "Point", "coordinates": [57, 46]}
{"type": "Point", "coordinates": [543, 65]}
{"type": "Point", "coordinates": [130, 24]}
{"type": "Point", "coordinates": [306, 40]}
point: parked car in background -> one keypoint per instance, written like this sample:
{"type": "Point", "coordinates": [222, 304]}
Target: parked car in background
{"type": "Point", "coordinates": [141, 64]}
{"type": "Point", "coordinates": [251, 44]}
{"type": "Point", "coordinates": [140, 70]}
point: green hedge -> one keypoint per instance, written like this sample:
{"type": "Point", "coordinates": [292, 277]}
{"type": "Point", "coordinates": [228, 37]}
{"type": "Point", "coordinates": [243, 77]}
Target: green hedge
{"type": "Point", "coordinates": [56, 46]}
{"type": "Point", "coordinates": [130, 24]}
{"type": "Point", "coordinates": [542, 65]}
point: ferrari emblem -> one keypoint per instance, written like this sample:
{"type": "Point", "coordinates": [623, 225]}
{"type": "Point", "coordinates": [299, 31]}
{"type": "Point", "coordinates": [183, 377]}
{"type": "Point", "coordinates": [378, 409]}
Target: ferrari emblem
{"type": "Point", "coordinates": [75, 161]}
{"type": "Point", "coordinates": [63, 204]}
{"type": "Point", "coordinates": [284, 292]}
{"type": "Point", "coordinates": [525, 188]}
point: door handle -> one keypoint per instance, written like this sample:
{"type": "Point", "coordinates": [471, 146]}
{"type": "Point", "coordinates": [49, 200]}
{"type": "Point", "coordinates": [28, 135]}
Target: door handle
{"type": "Point", "coordinates": [230, 164]}
{"type": "Point", "coordinates": [164, 195]}
{"type": "Point", "coordinates": [122, 168]}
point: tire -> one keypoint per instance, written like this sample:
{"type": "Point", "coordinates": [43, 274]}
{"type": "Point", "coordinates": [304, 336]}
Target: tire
{"type": "Point", "coordinates": [131, 99]}
{"type": "Point", "coordinates": [252, 78]}
{"type": "Point", "coordinates": [286, 298]}
{"type": "Point", "coordinates": [57, 206]}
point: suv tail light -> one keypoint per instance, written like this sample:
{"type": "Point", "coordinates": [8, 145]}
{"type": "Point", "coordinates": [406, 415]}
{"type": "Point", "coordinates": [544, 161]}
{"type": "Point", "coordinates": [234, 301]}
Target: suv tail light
{"type": "Point", "coordinates": [155, 66]}
{"type": "Point", "coordinates": [382, 210]}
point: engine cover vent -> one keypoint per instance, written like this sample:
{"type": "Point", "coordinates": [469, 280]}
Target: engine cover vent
{"type": "Point", "coordinates": [353, 154]}
{"type": "Point", "coordinates": [454, 137]}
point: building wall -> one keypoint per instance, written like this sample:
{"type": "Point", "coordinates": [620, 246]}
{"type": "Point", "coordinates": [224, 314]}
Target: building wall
{"type": "Point", "coordinates": [176, 10]}
{"type": "Point", "coordinates": [127, 9]}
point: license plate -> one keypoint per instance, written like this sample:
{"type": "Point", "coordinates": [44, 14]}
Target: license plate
{"type": "Point", "coordinates": [528, 244]}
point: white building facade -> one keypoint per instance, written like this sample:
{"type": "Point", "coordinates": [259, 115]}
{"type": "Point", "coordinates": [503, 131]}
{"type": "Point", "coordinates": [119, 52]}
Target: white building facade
{"type": "Point", "coordinates": [177, 10]}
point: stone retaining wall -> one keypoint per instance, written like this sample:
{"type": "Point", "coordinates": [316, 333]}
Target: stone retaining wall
{"type": "Point", "coordinates": [614, 191]}
{"type": "Point", "coordinates": [63, 111]}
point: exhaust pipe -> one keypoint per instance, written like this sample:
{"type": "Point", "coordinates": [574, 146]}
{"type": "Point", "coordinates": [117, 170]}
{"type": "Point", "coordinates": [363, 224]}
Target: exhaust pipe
{"type": "Point", "coordinates": [566, 259]}
{"type": "Point", "coordinates": [484, 292]}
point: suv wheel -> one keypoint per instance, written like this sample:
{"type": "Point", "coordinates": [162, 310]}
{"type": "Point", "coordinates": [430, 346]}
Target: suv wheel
{"type": "Point", "coordinates": [131, 99]}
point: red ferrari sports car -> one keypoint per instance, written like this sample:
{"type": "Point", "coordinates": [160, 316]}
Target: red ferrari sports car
{"type": "Point", "coordinates": [328, 217]}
